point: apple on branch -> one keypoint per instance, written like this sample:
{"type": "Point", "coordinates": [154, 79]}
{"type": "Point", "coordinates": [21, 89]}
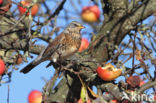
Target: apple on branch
{"type": "Point", "coordinates": [113, 101]}
{"type": "Point", "coordinates": [90, 13]}
{"type": "Point", "coordinates": [1, 1]}
{"type": "Point", "coordinates": [135, 81]}
{"type": "Point", "coordinates": [5, 6]}
{"type": "Point", "coordinates": [25, 3]}
{"type": "Point", "coordinates": [84, 44]}
{"type": "Point", "coordinates": [80, 101]}
{"type": "Point", "coordinates": [35, 96]}
{"type": "Point", "coordinates": [108, 72]}
{"type": "Point", "coordinates": [2, 67]}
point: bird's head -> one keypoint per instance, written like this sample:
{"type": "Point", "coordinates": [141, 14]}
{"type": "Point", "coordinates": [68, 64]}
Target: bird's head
{"type": "Point", "coordinates": [74, 27]}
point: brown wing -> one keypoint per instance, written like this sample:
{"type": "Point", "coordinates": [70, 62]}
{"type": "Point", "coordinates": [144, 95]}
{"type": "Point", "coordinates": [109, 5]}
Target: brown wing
{"type": "Point", "coordinates": [54, 45]}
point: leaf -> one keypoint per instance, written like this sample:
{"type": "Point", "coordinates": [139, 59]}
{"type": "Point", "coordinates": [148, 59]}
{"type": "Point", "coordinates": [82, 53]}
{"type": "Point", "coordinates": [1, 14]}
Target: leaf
{"type": "Point", "coordinates": [84, 94]}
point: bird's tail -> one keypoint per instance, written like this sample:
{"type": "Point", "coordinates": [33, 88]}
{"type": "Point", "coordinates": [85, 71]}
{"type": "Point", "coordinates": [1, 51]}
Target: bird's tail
{"type": "Point", "coordinates": [34, 63]}
{"type": "Point", "coordinates": [30, 66]}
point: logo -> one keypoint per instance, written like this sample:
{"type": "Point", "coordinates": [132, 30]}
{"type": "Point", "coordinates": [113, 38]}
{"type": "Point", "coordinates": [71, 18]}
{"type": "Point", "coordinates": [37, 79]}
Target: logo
{"type": "Point", "coordinates": [134, 97]}
{"type": "Point", "coordinates": [125, 96]}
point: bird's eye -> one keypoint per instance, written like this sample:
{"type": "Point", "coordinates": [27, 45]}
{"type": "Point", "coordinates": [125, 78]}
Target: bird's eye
{"type": "Point", "coordinates": [75, 25]}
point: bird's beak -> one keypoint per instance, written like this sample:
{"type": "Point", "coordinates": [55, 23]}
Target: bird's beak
{"type": "Point", "coordinates": [81, 27]}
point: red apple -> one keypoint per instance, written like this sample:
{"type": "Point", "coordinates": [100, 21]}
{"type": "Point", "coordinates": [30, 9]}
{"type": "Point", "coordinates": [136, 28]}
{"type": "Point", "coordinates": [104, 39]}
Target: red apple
{"type": "Point", "coordinates": [108, 73]}
{"type": "Point", "coordinates": [80, 101]}
{"type": "Point", "coordinates": [154, 97]}
{"type": "Point", "coordinates": [4, 7]}
{"type": "Point", "coordinates": [2, 67]}
{"type": "Point", "coordinates": [84, 44]}
{"type": "Point", "coordinates": [96, 10]}
{"type": "Point", "coordinates": [90, 13]}
{"type": "Point", "coordinates": [35, 96]}
{"type": "Point", "coordinates": [22, 10]}
{"type": "Point", "coordinates": [113, 101]}
{"type": "Point", "coordinates": [89, 101]}
{"type": "Point", "coordinates": [1, 1]}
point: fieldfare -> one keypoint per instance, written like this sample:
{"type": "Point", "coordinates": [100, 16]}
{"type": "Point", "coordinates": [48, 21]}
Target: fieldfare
{"type": "Point", "coordinates": [62, 47]}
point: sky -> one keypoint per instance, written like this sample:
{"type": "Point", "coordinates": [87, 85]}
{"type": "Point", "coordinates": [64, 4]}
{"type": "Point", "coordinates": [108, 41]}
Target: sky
{"type": "Point", "coordinates": [22, 84]}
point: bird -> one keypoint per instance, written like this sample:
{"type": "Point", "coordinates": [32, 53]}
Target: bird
{"type": "Point", "coordinates": [63, 46]}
